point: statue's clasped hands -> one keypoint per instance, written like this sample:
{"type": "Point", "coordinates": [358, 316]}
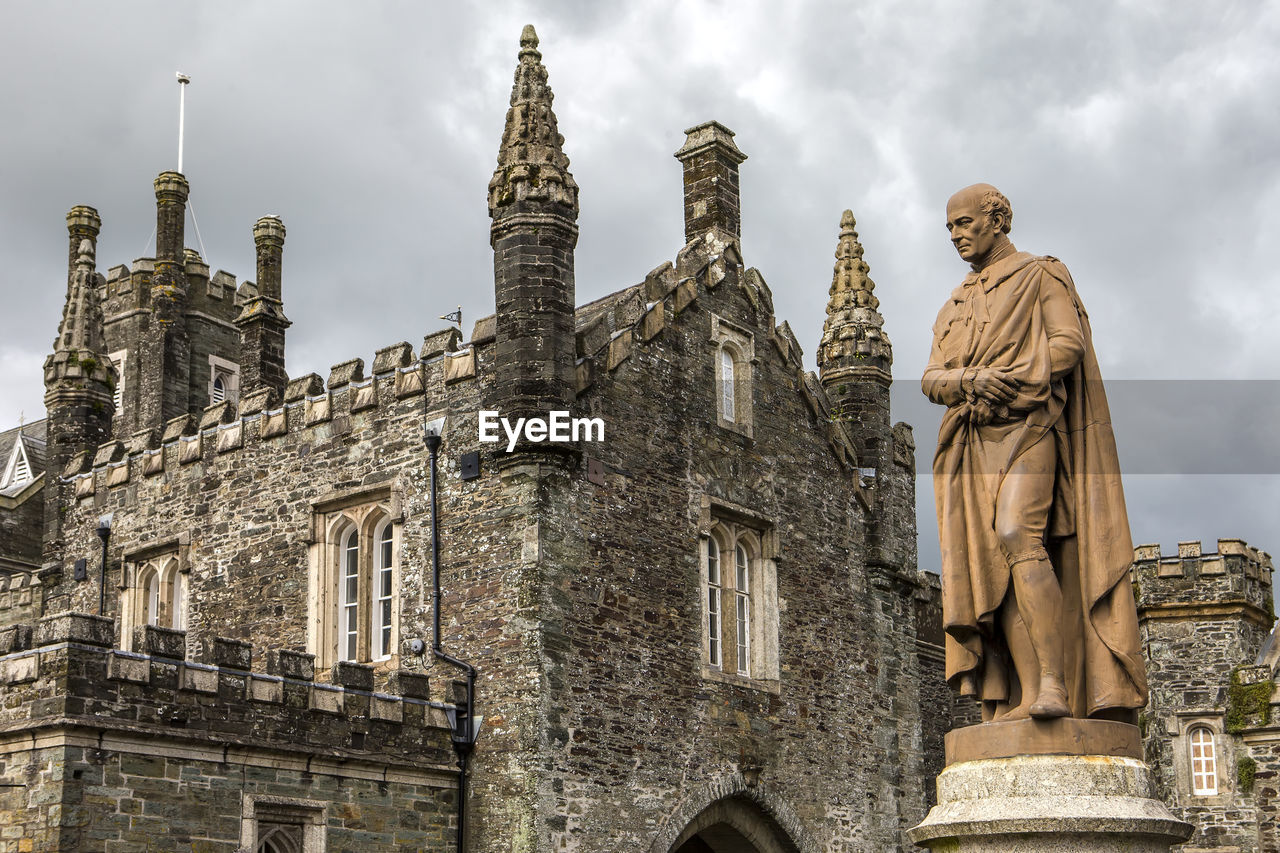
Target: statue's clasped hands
{"type": "Point", "coordinates": [989, 385]}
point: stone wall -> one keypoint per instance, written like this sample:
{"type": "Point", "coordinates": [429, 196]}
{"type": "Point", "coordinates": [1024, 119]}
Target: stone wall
{"type": "Point", "coordinates": [152, 750]}
{"type": "Point", "coordinates": [574, 590]}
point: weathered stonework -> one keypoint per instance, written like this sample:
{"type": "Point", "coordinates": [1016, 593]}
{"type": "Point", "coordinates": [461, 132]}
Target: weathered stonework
{"type": "Point", "coordinates": [620, 712]}
{"type": "Point", "coordinates": [1204, 622]}
{"type": "Point", "coordinates": [102, 749]}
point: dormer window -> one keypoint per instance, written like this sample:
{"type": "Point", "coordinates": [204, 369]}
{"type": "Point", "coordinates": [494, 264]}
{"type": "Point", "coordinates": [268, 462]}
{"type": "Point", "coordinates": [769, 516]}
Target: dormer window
{"type": "Point", "coordinates": [19, 468]}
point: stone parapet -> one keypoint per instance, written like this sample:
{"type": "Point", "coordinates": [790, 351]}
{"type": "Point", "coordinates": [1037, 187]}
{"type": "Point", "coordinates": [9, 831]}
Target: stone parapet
{"type": "Point", "coordinates": [64, 672]}
{"type": "Point", "coordinates": [1195, 584]}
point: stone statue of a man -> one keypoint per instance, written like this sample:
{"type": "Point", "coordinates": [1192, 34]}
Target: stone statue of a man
{"type": "Point", "coordinates": [1039, 615]}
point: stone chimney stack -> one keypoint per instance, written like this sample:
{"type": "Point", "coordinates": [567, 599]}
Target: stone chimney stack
{"type": "Point", "coordinates": [855, 356]}
{"type": "Point", "coordinates": [78, 379]}
{"type": "Point", "coordinates": [533, 202]}
{"type": "Point", "coordinates": [711, 197]}
{"type": "Point", "coordinates": [165, 359]}
{"type": "Point", "coordinates": [262, 321]}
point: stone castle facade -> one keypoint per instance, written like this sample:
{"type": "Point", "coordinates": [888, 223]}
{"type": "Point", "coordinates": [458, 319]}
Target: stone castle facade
{"type": "Point", "coordinates": [265, 612]}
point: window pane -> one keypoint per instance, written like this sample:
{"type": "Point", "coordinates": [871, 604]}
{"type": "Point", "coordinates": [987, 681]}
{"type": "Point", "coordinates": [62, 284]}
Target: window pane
{"type": "Point", "coordinates": [713, 626]}
{"type": "Point", "coordinates": [727, 408]}
{"type": "Point", "coordinates": [153, 598]}
{"type": "Point", "coordinates": [744, 634]}
{"type": "Point", "coordinates": [1204, 764]}
{"type": "Point", "coordinates": [349, 645]}
{"type": "Point", "coordinates": [178, 615]}
{"type": "Point", "coordinates": [713, 562]}
{"type": "Point", "coordinates": [743, 579]}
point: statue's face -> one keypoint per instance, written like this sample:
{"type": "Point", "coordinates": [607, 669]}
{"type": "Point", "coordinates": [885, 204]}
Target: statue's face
{"type": "Point", "coordinates": [973, 232]}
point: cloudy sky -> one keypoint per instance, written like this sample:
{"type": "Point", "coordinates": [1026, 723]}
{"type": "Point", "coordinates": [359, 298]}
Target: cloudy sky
{"type": "Point", "coordinates": [1138, 141]}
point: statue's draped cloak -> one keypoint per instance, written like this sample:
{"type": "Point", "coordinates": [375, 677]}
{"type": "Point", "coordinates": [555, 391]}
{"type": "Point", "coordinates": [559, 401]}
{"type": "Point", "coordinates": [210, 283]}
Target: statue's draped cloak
{"type": "Point", "coordinates": [996, 319]}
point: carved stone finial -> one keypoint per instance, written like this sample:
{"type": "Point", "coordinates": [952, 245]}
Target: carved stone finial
{"type": "Point", "coordinates": [532, 165]}
{"type": "Point", "coordinates": [854, 328]}
{"type": "Point", "coordinates": [528, 37]}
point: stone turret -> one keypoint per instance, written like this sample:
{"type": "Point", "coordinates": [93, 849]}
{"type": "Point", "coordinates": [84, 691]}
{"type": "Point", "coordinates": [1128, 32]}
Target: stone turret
{"type": "Point", "coordinates": [78, 379]}
{"type": "Point", "coordinates": [262, 321]}
{"type": "Point", "coordinates": [855, 356]}
{"type": "Point", "coordinates": [533, 202]}
{"type": "Point", "coordinates": [165, 358]}
{"type": "Point", "coordinates": [711, 196]}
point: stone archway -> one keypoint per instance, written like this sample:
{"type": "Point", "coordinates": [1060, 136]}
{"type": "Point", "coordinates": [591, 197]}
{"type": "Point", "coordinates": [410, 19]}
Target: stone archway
{"type": "Point", "coordinates": [733, 825]}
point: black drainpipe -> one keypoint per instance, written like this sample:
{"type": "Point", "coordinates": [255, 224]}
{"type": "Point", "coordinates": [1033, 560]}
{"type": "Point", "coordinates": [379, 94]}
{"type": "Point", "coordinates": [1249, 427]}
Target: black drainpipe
{"type": "Point", "coordinates": [464, 732]}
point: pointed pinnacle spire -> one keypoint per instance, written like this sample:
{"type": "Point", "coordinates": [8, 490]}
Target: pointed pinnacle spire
{"type": "Point", "coordinates": [532, 165]}
{"type": "Point", "coordinates": [853, 328]}
{"type": "Point", "coordinates": [79, 352]}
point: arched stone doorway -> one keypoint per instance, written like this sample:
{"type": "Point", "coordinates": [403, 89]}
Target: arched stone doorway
{"type": "Point", "coordinates": [733, 825]}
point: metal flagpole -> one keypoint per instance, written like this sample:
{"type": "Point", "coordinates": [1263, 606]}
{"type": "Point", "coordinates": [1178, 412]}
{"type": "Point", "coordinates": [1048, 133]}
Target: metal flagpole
{"type": "Point", "coordinates": [183, 80]}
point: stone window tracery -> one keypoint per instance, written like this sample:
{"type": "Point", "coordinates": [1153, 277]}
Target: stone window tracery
{"type": "Point", "coordinates": [273, 824]}
{"type": "Point", "coordinates": [355, 583]}
{"type": "Point", "coordinates": [739, 609]}
{"type": "Point", "coordinates": [154, 593]}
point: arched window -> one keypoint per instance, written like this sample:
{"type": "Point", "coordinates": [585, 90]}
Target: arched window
{"type": "Point", "coordinates": [1204, 762]}
{"type": "Point", "coordinates": [219, 390]}
{"type": "Point", "coordinates": [177, 597]}
{"type": "Point", "coordinates": [728, 385]}
{"type": "Point", "coordinates": [713, 602]}
{"type": "Point", "coordinates": [384, 578]}
{"type": "Point", "coordinates": [740, 603]}
{"type": "Point", "coordinates": [356, 609]}
{"type": "Point", "coordinates": [155, 593]}
{"type": "Point", "coordinates": [734, 355]}
{"type": "Point", "coordinates": [742, 610]}
{"type": "Point", "coordinates": [349, 614]}
{"type": "Point", "coordinates": [150, 583]}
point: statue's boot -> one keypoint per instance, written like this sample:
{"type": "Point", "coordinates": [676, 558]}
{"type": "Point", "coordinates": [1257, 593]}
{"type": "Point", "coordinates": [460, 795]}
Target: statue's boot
{"type": "Point", "coordinates": [1052, 700]}
{"type": "Point", "coordinates": [1025, 663]}
{"type": "Point", "coordinates": [1040, 604]}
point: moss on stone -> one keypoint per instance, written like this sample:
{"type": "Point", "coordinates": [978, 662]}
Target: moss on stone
{"type": "Point", "coordinates": [1246, 771]}
{"type": "Point", "coordinates": [1247, 700]}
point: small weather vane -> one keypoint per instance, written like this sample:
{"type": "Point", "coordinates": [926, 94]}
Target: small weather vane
{"type": "Point", "coordinates": [454, 317]}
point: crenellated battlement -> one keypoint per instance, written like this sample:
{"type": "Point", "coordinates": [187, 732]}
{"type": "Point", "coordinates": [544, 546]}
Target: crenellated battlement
{"type": "Point", "coordinates": [69, 662]}
{"type": "Point", "coordinates": [309, 402]}
{"type": "Point", "coordinates": [608, 333]}
{"type": "Point", "coordinates": [1200, 584]}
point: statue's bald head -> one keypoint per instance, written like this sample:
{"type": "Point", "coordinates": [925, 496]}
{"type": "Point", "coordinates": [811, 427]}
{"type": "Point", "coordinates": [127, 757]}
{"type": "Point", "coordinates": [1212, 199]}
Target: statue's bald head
{"type": "Point", "coordinates": [986, 198]}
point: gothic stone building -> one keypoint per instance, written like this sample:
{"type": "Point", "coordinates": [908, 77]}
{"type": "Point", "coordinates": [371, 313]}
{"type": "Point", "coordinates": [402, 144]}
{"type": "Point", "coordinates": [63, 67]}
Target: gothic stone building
{"type": "Point", "coordinates": [705, 632]}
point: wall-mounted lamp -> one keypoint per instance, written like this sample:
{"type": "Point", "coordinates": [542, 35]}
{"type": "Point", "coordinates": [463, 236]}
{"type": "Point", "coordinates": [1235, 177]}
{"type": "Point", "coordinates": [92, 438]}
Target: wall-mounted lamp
{"type": "Point", "coordinates": [466, 728]}
{"type": "Point", "coordinates": [433, 432]}
{"type": "Point", "coordinates": [104, 533]}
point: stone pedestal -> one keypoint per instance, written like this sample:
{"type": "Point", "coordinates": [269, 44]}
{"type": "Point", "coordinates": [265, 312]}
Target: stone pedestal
{"type": "Point", "coordinates": [1052, 803]}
